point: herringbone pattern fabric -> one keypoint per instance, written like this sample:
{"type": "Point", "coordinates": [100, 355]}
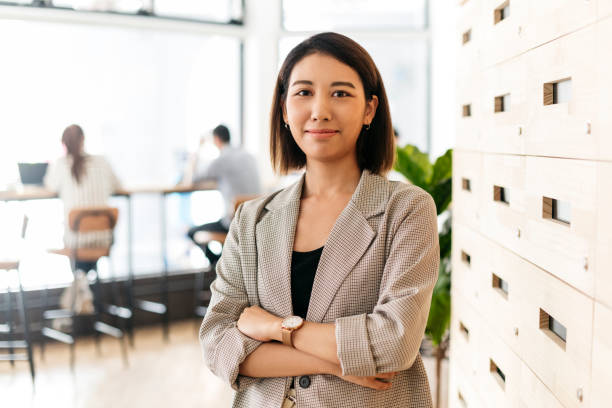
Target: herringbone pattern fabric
{"type": "Point", "coordinates": [374, 280]}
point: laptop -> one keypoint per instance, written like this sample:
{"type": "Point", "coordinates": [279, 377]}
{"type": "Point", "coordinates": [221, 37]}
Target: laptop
{"type": "Point", "coordinates": [32, 173]}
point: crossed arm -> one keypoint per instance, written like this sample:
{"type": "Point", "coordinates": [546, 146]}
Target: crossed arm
{"type": "Point", "coordinates": [360, 348]}
{"type": "Point", "coordinates": [314, 352]}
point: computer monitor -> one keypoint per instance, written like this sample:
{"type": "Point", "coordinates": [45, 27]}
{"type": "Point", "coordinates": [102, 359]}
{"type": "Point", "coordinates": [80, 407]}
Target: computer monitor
{"type": "Point", "coordinates": [32, 173]}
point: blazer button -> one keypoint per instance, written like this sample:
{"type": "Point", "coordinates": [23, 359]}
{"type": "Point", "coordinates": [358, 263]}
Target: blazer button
{"type": "Point", "coordinates": [304, 381]}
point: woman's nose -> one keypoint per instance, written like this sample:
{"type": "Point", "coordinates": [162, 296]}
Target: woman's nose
{"type": "Point", "coordinates": [320, 108]}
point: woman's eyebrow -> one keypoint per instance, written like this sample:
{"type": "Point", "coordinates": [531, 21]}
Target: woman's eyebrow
{"type": "Point", "coordinates": [340, 83]}
{"type": "Point", "coordinates": [301, 82]}
{"type": "Point", "coordinates": [337, 83]}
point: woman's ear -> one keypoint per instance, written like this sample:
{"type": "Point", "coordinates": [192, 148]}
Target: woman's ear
{"type": "Point", "coordinates": [370, 111]}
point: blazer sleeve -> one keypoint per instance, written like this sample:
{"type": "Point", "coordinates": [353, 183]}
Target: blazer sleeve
{"type": "Point", "coordinates": [224, 347]}
{"type": "Point", "coordinates": [388, 339]}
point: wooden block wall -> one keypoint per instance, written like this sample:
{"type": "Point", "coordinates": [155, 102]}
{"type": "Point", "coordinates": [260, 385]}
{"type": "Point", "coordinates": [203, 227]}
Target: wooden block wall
{"type": "Point", "coordinates": [531, 318]}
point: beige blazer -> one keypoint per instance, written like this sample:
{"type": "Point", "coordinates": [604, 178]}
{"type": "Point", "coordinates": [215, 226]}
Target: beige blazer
{"type": "Point", "coordinates": [374, 281]}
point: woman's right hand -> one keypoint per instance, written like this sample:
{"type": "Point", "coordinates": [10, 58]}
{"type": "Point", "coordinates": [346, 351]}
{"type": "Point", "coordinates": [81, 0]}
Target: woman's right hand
{"type": "Point", "coordinates": [379, 382]}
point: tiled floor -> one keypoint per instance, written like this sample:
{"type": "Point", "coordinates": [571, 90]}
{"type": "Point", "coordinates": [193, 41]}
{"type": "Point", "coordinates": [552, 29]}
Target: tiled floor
{"type": "Point", "coordinates": [159, 375]}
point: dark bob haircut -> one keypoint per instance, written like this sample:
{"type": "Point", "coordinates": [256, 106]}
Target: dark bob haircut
{"type": "Point", "coordinates": [375, 147]}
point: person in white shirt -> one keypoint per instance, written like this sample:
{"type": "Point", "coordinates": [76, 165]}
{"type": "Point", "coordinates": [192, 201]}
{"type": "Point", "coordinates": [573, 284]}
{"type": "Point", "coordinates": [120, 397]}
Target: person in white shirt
{"type": "Point", "coordinates": [81, 180]}
{"type": "Point", "coordinates": [236, 174]}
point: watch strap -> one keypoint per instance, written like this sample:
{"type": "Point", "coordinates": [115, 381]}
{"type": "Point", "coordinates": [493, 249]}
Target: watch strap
{"type": "Point", "coordinates": [286, 334]}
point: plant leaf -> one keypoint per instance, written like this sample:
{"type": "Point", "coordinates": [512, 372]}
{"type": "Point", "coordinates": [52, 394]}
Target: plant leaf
{"type": "Point", "coordinates": [438, 320]}
{"type": "Point", "coordinates": [445, 243]}
{"type": "Point", "coordinates": [414, 165]}
{"type": "Point", "coordinates": [442, 194]}
{"type": "Point", "coordinates": [442, 168]}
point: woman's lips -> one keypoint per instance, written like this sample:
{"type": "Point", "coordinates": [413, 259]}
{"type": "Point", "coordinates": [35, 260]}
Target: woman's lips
{"type": "Point", "coordinates": [322, 133]}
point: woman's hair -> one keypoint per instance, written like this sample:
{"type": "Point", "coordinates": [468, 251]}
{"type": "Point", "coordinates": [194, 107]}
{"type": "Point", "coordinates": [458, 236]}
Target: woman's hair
{"type": "Point", "coordinates": [73, 138]}
{"type": "Point", "coordinates": [375, 147]}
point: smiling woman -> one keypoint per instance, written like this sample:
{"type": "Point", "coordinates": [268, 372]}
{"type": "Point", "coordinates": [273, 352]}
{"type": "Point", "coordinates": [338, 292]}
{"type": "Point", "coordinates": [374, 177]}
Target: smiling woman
{"type": "Point", "coordinates": [311, 106]}
{"type": "Point", "coordinates": [323, 289]}
{"type": "Point", "coordinates": [349, 86]}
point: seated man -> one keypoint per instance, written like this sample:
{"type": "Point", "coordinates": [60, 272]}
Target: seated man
{"type": "Point", "coordinates": [235, 172]}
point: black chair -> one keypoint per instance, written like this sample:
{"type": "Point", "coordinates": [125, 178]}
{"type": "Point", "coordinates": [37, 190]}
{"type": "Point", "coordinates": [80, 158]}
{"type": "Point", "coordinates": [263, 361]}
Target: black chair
{"type": "Point", "coordinates": [9, 329]}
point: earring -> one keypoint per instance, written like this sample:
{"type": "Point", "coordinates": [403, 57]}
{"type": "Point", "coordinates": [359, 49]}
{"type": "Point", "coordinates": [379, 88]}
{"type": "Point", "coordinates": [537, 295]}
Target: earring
{"type": "Point", "coordinates": [367, 127]}
{"type": "Point", "coordinates": [286, 126]}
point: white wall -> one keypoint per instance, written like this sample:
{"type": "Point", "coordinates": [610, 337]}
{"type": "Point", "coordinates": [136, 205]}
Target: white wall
{"type": "Point", "coordinates": [443, 77]}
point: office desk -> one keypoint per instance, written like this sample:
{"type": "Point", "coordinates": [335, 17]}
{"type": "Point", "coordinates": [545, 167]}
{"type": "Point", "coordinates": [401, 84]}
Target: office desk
{"type": "Point", "coordinates": [160, 308]}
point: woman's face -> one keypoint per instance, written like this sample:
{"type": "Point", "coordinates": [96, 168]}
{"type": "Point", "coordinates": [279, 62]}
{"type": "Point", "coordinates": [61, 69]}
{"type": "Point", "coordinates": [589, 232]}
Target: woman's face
{"type": "Point", "coordinates": [326, 108]}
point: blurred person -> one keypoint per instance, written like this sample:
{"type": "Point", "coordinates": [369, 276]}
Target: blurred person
{"type": "Point", "coordinates": [81, 180]}
{"type": "Point", "coordinates": [236, 174]}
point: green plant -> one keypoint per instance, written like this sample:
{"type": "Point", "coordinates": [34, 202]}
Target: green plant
{"type": "Point", "coordinates": [436, 179]}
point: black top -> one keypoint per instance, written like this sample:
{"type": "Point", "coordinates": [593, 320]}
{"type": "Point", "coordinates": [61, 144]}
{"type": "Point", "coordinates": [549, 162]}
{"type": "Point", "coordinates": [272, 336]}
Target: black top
{"type": "Point", "coordinates": [303, 269]}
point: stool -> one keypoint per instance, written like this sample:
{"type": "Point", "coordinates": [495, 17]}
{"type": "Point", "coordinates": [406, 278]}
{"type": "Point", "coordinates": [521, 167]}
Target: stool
{"type": "Point", "coordinates": [85, 220]}
{"type": "Point", "coordinates": [9, 328]}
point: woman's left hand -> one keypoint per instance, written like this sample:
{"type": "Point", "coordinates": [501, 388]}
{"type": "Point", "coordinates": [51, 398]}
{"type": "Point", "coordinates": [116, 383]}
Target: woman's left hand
{"type": "Point", "coordinates": [259, 324]}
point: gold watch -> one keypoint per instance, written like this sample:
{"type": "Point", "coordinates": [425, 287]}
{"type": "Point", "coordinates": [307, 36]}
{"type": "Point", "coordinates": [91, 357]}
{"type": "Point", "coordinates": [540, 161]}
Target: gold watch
{"type": "Point", "coordinates": [288, 326]}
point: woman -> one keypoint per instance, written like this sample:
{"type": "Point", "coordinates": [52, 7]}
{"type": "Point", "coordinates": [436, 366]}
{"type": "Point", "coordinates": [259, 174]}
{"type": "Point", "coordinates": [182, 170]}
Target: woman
{"type": "Point", "coordinates": [81, 180]}
{"type": "Point", "coordinates": [323, 289]}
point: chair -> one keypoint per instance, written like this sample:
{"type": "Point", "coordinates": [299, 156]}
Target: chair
{"type": "Point", "coordinates": [9, 328]}
{"type": "Point", "coordinates": [80, 221]}
{"type": "Point", "coordinates": [202, 294]}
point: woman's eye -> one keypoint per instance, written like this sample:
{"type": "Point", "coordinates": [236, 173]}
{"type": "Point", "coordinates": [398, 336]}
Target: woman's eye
{"type": "Point", "coordinates": [341, 94]}
{"type": "Point", "coordinates": [303, 92]}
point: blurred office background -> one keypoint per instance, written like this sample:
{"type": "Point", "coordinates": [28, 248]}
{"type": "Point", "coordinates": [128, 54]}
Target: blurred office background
{"type": "Point", "coordinates": [146, 80]}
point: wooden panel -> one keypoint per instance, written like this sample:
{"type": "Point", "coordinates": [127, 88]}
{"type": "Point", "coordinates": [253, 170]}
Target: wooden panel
{"type": "Point", "coordinates": [462, 393]}
{"type": "Point", "coordinates": [465, 332]}
{"type": "Point", "coordinates": [604, 9]}
{"type": "Point", "coordinates": [500, 300]}
{"type": "Point", "coordinates": [467, 262]}
{"type": "Point", "coordinates": [603, 261]}
{"type": "Point", "coordinates": [503, 222]}
{"type": "Point", "coordinates": [563, 366]}
{"type": "Point", "coordinates": [565, 250]}
{"type": "Point", "coordinates": [602, 356]}
{"type": "Point", "coordinates": [550, 19]}
{"type": "Point", "coordinates": [505, 39]}
{"type": "Point", "coordinates": [534, 394]}
{"type": "Point", "coordinates": [602, 125]}
{"type": "Point", "coordinates": [469, 128]}
{"type": "Point", "coordinates": [564, 129]}
{"type": "Point", "coordinates": [468, 53]}
{"type": "Point", "coordinates": [494, 391]}
{"type": "Point", "coordinates": [503, 131]}
{"type": "Point", "coordinates": [467, 187]}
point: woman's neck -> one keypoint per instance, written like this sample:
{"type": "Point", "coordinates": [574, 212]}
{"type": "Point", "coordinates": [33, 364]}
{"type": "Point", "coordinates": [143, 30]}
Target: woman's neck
{"type": "Point", "coordinates": [325, 180]}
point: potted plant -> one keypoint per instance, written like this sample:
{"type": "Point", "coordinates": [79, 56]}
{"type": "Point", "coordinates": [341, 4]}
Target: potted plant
{"type": "Point", "coordinates": [436, 179]}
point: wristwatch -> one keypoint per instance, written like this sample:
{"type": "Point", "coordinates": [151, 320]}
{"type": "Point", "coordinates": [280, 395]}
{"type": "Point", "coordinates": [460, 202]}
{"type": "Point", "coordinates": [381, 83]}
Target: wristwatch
{"type": "Point", "coordinates": [288, 326]}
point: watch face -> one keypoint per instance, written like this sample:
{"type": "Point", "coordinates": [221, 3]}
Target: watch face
{"type": "Point", "coordinates": [292, 322]}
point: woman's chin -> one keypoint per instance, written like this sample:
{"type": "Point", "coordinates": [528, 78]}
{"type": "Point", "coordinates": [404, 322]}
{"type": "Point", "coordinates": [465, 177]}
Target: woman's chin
{"type": "Point", "coordinates": [326, 157]}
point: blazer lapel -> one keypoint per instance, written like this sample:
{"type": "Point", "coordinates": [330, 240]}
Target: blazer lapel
{"type": "Point", "coordinates": [347, 243]}
{"type": "Point", "coordinates": [275, 235]}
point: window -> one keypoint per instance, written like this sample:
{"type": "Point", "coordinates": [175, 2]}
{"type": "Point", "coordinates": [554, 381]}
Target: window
{"type": "Point", "coordinates": [136, 93]}
{"type": "Point", "coordinates": [218, 11]}
{"type": "Point", "coordinates": [227, 11]}
{"type": "Point", "coordinates": [323, 15]}
{"type": "Point", "coordinates": [502, 103]}
{"type": "Point", "coordinates": [558, 92]}
{"type": "Point", "coordinates": [501, 194]}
